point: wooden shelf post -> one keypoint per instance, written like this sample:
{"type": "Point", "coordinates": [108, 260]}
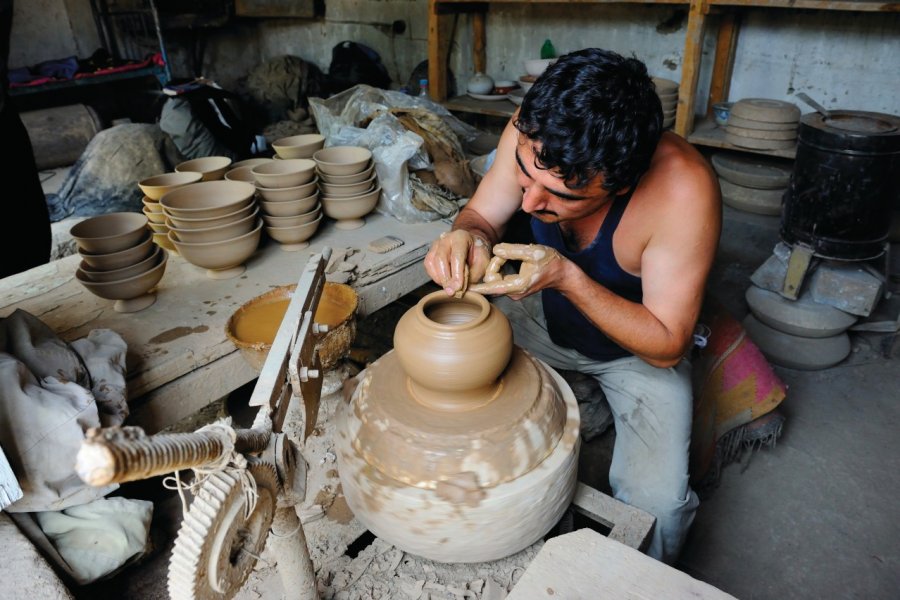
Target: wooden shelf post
{"type": "Point", "coordinates": [690, 70]}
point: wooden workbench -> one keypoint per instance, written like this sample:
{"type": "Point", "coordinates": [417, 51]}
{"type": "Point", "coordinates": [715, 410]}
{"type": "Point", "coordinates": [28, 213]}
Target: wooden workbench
{"type": "Point", "coordinates": [179, 359]}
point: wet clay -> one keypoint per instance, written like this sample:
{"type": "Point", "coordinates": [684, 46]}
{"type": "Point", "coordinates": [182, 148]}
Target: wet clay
{"type": "Point", "coordinates": [260, 322]}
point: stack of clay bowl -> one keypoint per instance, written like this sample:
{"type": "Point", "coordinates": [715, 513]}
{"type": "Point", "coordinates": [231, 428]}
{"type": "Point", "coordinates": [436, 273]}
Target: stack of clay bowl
{"type": "Point", "coordinates": [212, 168]}
{"type": "Point", "coordinates": [667, 90]}
{"type": "Point", "coordinates": [243, 170]}
{"type": "Point", "coordinates": [155, 188]}
{"type": "Point", "coordinates": [298, 146]}
{"type": "Point", "coordinates": [348, 184]}
{"type": "Point", "coordinates": [119, 260]}
{"type": "Point", "coordinates": [763, 124]}
{"type": "Point", "coordinates": [752, 183]}
{"type": "Point", "coordinates": [289, 200]}
{"type": "Point", "coordinates": [214, 225]}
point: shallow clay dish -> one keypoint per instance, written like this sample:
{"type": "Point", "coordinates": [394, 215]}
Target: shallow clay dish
{"type": "Point", "coordinates": [287, 194]}
{"type": "Point", "coordinates": [223, 259]}
{"type": "Point", "coordinates": [291, 208]}
{"type": "Point", "coordinates": [102, 276]}
{"type": "Point", "coordinates": [349, 212]}
{"type": "Point", "coordinates": [112, 232]}
{"type": "Point", "coordinates": [294, 220]}
{"type": "Point", "coordinates": [131, 294]}
{"type": "Point", "coordinates": [347, 179]}
{"type": "Point", "coordinates": [343, 160]}
{"type": "Point", "coordinates": [241, 174]}
{"type": "Point", "coordinates": [200, 235]}
{"type": "Point", "coordinates": [253, 326]}
{"type": "Point", "coordinates": [285, 173]}
{"type": "Point", "coordinates": [208, 199]}
{"type": "Point", "coordinates": [299, 146]}
{"type": "Point", "coordinates": [157, 186]}
{"type": "Point", "coordinates": [294, 238]}
{"type": "Point", "coordinates": [211, 167]}
{"type": "Point", "coordinates": [121, 259]}
{"type": "Point", "coordinates": [189, 223]}
{"type": "Point", "coordinates": [351, 189]}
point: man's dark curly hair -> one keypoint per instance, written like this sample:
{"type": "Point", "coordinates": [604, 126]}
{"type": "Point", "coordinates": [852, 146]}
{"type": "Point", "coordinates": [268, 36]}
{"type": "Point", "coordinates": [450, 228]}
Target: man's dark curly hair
{"type": "Point", "coordinates": [594, 112]}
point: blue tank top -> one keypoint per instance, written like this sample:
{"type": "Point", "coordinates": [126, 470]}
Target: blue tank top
{"type": "Point", "coordinates": [566, 325]}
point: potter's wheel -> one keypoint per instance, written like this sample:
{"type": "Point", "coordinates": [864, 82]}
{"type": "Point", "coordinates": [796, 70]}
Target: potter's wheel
{"type": "Point", "coordinates": [459, 482]}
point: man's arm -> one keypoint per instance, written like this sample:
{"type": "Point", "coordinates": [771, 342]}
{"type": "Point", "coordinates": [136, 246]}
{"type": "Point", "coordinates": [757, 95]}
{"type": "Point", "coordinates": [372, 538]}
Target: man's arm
{"type": "Point", "coordinates": [481, 223]}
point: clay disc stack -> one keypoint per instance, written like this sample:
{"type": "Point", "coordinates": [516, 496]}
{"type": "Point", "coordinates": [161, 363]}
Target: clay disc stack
{"type": "Point", "coordinates": [751, 183]}
{"type": "Point", "coordinates": [667, 90]}
{"type": "Point", "coordinates": [763, 124]}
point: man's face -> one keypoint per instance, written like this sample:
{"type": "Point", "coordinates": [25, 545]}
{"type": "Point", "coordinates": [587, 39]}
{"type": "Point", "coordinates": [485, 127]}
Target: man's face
{"type": "Point", "coordinates": [547, 197]}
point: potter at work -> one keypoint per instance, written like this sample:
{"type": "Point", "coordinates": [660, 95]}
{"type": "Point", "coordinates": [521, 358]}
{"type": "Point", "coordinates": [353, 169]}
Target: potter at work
{"type": "Point", "coordinates": [625, 220]}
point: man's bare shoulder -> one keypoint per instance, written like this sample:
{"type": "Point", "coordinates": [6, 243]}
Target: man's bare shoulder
{"type": "Point", "coordinates": [680, 178]}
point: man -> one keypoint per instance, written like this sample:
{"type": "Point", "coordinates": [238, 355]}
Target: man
{"type": "Point", "coordinates": [626, 221]}
{"type": "Point", "coordinates": [27, 207]}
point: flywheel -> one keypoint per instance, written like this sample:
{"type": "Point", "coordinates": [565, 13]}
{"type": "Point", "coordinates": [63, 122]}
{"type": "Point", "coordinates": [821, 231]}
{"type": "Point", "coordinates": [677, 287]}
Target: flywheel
{"type": "Point", "coordinates": [217, 545]}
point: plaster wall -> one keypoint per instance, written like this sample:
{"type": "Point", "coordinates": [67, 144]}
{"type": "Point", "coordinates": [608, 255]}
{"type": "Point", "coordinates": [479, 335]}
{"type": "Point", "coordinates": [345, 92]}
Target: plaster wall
{"type": "Point", "coordinates": [50, 29]}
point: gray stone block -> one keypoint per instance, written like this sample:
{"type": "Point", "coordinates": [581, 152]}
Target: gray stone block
{"type": "Point", "coordinates": [849, 288]}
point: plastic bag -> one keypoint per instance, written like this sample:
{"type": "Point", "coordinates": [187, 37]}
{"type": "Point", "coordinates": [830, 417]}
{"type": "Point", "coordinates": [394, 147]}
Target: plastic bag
{"type": "Point", "coordinates": [349, 119]}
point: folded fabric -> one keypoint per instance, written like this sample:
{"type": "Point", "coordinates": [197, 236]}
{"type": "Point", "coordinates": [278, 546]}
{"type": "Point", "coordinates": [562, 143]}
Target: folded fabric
{"type": "Point", "coordinates": [62, 68]}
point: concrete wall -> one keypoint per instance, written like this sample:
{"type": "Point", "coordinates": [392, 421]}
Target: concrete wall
{"type": "Point", "coordinates": [49, 29]}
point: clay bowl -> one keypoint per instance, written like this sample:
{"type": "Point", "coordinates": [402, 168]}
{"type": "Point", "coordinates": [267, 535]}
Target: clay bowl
{"type": "Point", "coordinates": [109, 233]}
{"type": "Point", "coordinates": [294, 238]}
{"type": "Point", "coordinates": [351, 189]}
{"type": "Point", "coordinates": [208, 199]}
{"type": "Point", "coordinates": [347, 179]}
{"type": "Point", "coordinates": [349, 212]}
{"type": "Point", "coordinates": [212, 167]}
{"type": "Point", "coordinates": [152, 215]}
{"type": "Point", "coordinates": [119, 260]}
{"type": "Point", "coordinates": [200, 235]}
{"type": "Point", "coordinates": [299, 146]}
{"type": "Point", "coordinates": [189, 223]}
{"type": "Point", "coordinates": [158, 227]}
{"type": "Point", "coordinates": [286, 173]}
{"type": "Point", "coordinates": [159, 185]}
{"type": "Point", "coordinates": [222, 259]}
{"type": "Point", "coordinates": [250, 162]}
{"type": "Point", "coordinates": [253, 326]}
{"type": "Point", "coordinates": [537, 66]}
{"type": "Point", "coordinates": [290, 208]}
{"type": "Point", "coordinates": [504, 86]}
{"type": "Point", "coordinates": [287, 194]}
{"type": "Point", "coordinates": [101, 276]}
{"type": "Point", "coordinates": [293, 220]}
{"type": "Point", "coordinates": [131, 294]}
{"type": "Point", "coordinates": [342, 160]}
{"type": "Point", "coordinates": [241, 174]}
{"type": "Point", "coordinates": [162, 240]}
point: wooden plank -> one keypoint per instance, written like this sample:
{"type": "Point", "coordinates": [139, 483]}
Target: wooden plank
{"type": "Point", "coordinates": [493, 108]}
{"type": "Point", "coordinates": [437, 52]}
{"type": "Point", "coordinates": [707, 133]}
{"type": "Point", "coordinates": [479, 42]}
{"type": "Point", "coordinates": [566, 1]}
{"type": "Point", "coordinates": [726, 44]}
{"type": "Point", "coordinates": [584, 564]}
{"type": "Point", "coordinates": [629, 525]}
{"type": "Point", "coordinates": [841, 5]}
{"type": "Point", "coordinates": [690, 70]}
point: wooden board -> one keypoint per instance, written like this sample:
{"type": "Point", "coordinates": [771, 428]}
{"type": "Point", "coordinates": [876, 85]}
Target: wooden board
{"type": "Point", "coordinates": [179, 359]}
{"type": "Point", "coordinates": [707, 133]}
{"type": "Point", "coordinates": [493, 108]}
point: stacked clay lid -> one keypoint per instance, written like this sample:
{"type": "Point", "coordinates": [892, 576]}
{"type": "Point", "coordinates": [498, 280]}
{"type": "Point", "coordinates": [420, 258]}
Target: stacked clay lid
{"type": "Point", "coordinates": [214, 225]}
{"type": "Point", "coordinates": [763, 124]}
{"type": "Point", "coordinates": [119, 260]}
{"type": "Point", "coordinates": [289, 198]}
{"type": "Point", "coordinates": [348, 184]}
{"type": "Point", "coordinates": [667, 90]}
{"type": "Point", "coordinates": [754, 184]}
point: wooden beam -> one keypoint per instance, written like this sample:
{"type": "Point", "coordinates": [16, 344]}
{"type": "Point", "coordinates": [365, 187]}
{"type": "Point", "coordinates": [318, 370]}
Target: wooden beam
{"type": "Point", "coordinates": [437, 63]}
{"type": "Point", "coordinates": [479, 42]}
{"type": "Point", "coordinates": [726, 44]}
{"type": "Point", "coordinates": [690, 70]}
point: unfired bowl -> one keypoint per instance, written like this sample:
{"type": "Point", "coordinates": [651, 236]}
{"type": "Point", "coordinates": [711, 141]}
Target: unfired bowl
{"type": "Point", "coordinates": [212, 167]}
{"type": "Point", "coordinates": [299, 146]}
{"type": "Point", "coordinates": [294, 220]}
{"type": "Point", "coordinates": [109, 233]}
{"type": "Point", "coordinates": [158, 227]}
{"type": "Point", "coordinates": [342, 160]}
{"type": "Point", "coordinates": [250, 162]}
{"type": "Point", "coordinates": [200, 235]}
{"type": "Point", "coordinates": [130, 294]}
{"type": "Point", "coordinates": [153, 216]}
{"type": "Point", "coordinates": [189, 223]}
{"type": "Point", "coordinates": [162, 240]}
{"type": "Point", "coordinates": [157, 186]}
{"type": "Point", "coordinates": [241, 174]}
{"type": "Point", "coordinates": [294, 238]}
{"type": "Point", "coordinates": [352, 189]}
{"type": "Point", "coordinates": [290, 208]}
{"type": "Point", "coordinates": [347, 179]}
{"type": "Point", "coordinates": [223, 259]}
{"type": "Point", "coordinates": [137, 268]}
{"type": "Point", "coordinates": [208, 199]}
{"type": "Point", "coordinates": [349, 211]}
{"type": "Point", "coordinates": [119, 260]}
{"type": "Point", "coordinates": [284, 173]}
{"type": "Point", "coordinates": [537, 66]}
{"type": "Point", "coordinates": [287, 194]}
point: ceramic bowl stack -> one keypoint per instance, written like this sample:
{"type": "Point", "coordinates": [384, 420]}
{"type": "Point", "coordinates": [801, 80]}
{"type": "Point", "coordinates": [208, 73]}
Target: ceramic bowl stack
{"type": "Point", "coordinates": [213, 168]}
{"type": "Point", "coordinates": [119, 260]}
{"type": "Point", "coordinates": [348, 184]}
{"type": "Point", "coordinates": [763, 124]}
{"type": "Point", "coordinates": [289, 198]}
{"type": "Point", "coordinates": [214, 225]}
{"type": "Point", "coordinates": [667, 90]}
{"type": "Point", "coordinates": [299, 146]}
{"type": "Point", "coordinates": [155, 188]}
{"type": "Point", "coordinates": [752, 184]}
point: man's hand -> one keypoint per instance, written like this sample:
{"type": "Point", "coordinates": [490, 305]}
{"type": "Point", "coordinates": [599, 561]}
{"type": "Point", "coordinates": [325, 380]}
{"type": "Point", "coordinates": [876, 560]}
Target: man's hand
{"type": "Point", "coordinates": [449, 256]}
{"type": "Point", "coordinates": [542, 267]}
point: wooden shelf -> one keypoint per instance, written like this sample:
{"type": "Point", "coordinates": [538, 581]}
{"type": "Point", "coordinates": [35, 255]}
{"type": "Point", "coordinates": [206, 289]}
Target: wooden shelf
{"type": "Point", "coordinates": [841, 5]}
{"type": "Point", "coordinates": [493, 108]}
{"type": "Point", "coordinates": [707, 133]}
